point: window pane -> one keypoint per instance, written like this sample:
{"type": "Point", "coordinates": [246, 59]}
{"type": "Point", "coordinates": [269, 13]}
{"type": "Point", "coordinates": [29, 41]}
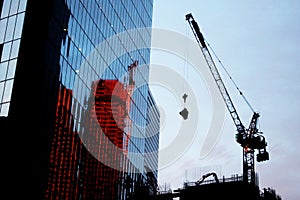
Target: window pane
{"type": "Point", "coordinates": [22, 5]}
{"type": "Point", "coordinates": [10, 28]}
{"type": "Point", "coordinates": [14, 7]}
{"type": "Point", "coordinates": [6, 51]}
{"type": "Point", "coordinates": [5, 8]}
{"type": "Point", "coordinates": [15, 49]}
{"type": "Point", "coordinates": [4, 109]}
{"type": "Point", "coordinates": [7, 90]}
{"type": "Point", "coordinates": [3, 69]}
{"type": "Point", "coordinates": [19, 26]}
{"type": "Point", "coordinates": [2, 29]}
{"type": "Point", "coordinates": [11, 69]}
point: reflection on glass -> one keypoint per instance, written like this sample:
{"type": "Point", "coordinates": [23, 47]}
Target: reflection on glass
{"type": "Point", "coordinates": [4, 109]}
{"type": "Point", "coordinates": [2, 29]}
{"type": "Point", "coordinates": [11, 69]}
{"type": "Point", "coordinates": [14, 7]}
{"type": "Point", "coordinates": [3, 69]}
{"type": "Point", "coordinates": [15, 49]}
{"type": "Point", "coordinates": [7, 90]}
{"type": "Point", "coordinates": [22, 5]}
{"type": "Point", "coordinates": [6, 51]}
{"type": "Point", "coordinates": [19, 26]}
{"type": "Point", "coordinates": [5, 8]}
{"type": "Point", "coordinates": [10, 28]}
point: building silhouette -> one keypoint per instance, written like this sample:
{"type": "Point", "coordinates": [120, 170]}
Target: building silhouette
{"type": "Point", "coordinates": [78, 89]}
{"type": "Point", "coordinates": [219, 188]}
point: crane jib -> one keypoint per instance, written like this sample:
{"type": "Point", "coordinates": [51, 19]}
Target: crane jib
{"type": "Point", "coordinates": [199, 34]}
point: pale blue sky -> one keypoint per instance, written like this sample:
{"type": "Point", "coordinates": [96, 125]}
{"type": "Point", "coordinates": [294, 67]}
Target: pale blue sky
{"type": "Point", "coordinates": [258, 42]}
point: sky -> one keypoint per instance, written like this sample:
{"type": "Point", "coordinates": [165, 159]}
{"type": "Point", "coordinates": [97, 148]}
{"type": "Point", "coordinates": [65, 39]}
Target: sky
{"type": "Point", "coordinates": [258, 43]}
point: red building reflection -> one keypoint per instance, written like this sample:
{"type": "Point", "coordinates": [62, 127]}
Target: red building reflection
{"type": "Point", "coordinates": [100, 178]}
{"type": "Point", "coordinates": [64, 153]}
{"type": "Point", "coordinates": [85, 170]}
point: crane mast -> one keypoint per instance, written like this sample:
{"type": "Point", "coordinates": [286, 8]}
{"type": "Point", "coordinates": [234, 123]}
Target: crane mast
{"type": "Point", "coordinates": [250, 139]}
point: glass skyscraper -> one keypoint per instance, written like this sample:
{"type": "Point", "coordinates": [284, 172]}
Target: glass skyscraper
{"type": "Point", "coordinates": [76, 74]}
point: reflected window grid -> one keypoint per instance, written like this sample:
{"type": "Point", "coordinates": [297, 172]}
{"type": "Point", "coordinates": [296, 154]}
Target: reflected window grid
{"type": "Point", "coordinates": [11, 21]}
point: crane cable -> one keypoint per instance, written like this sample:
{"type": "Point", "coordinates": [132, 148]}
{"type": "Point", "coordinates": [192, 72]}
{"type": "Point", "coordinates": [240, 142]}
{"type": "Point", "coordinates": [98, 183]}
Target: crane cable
{"type": "Point", "coordinates": [186, 57]}
{"type": "Point", "coordinates": [185, 60]}
{"type": "Point", "coordinates": [240, 92]}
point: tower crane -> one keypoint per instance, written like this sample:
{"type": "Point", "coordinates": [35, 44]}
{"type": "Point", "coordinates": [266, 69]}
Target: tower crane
{"type": "Point", "coordinates": [249, 138]}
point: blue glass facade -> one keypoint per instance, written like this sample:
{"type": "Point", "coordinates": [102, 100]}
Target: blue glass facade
{"type": "Point", "coordinates": [55, 50]}
{"type": "Point", "coordinates": [11, 25]}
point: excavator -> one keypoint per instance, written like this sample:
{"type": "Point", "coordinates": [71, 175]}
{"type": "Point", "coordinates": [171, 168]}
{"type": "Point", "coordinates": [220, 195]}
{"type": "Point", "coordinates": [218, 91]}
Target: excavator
{"type": "Point", "coordinates": [249, 138]}
{"type": "Point", "coordinates": [207, 175]}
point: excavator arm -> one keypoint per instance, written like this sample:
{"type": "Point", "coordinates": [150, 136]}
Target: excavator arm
{"type": "Point", "coordinates": [207, 175]}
